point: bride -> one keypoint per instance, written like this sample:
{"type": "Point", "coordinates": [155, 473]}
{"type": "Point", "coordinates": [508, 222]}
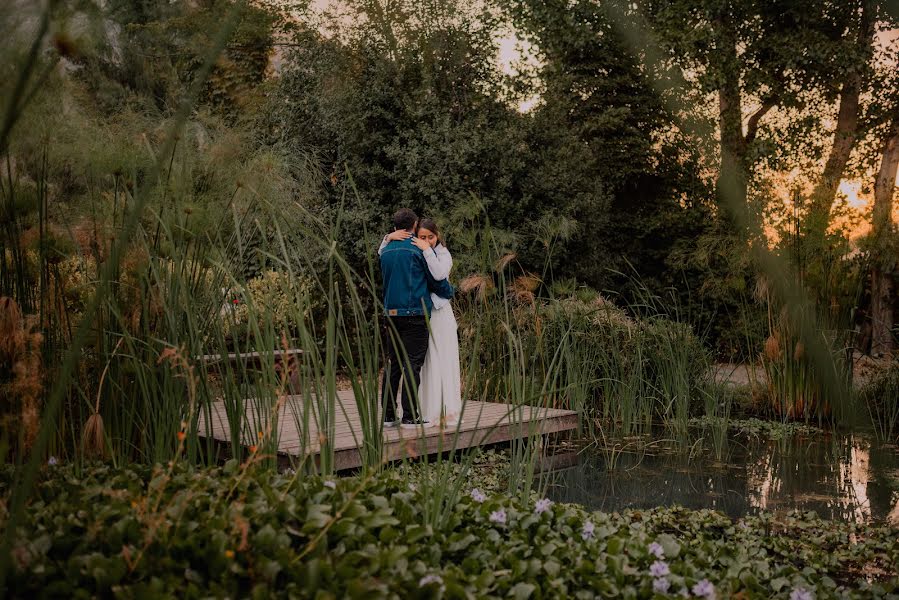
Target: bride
{"type": "Point", "coordinates": [440, 392]}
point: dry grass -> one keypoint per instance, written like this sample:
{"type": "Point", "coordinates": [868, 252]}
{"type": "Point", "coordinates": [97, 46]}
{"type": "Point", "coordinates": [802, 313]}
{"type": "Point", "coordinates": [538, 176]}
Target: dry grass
{"type": "Point", "coordinates": [21, 375]}
{"type": "Point", "coordinates": [480, 284]}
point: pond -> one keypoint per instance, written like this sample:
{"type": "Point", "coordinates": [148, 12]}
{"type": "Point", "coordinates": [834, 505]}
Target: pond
{"type": "Point", "coordinates": [839, 476]}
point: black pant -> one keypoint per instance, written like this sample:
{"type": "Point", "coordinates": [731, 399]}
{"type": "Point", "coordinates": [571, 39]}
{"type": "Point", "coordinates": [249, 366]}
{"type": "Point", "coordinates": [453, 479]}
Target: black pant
{"type": "Point", "coordinates": [407, 346]}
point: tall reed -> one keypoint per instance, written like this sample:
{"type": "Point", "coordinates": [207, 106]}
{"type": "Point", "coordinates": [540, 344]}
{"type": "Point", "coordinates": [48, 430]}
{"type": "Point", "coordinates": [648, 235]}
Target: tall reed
{"type": "Point", "coordinates": [881, 397]}
{"type": "Point", "coordinates": [27, 75]}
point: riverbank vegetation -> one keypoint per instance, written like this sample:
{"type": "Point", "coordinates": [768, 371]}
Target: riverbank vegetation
{"type": "Point", "coordinates": [186, 180]}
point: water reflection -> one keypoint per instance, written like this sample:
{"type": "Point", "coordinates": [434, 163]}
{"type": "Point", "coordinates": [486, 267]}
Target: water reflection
{"type": "Point", "coordinates": [838, 476]}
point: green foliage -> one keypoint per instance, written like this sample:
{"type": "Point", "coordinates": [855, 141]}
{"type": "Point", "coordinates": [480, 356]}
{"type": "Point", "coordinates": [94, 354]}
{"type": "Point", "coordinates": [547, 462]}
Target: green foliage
{"type": "Point", "coordinates": [272, 293]}
{"type": "Point", "coordinates": [797, 383]}
{"type": "Point", "coordinates": [408, 105]}
{"type": "Point", "coordinates": [612, 158]}
{"type": "Point", "coordinates": [753, 427]}
{"type": "Point", "coordinates": [881, 396]}
{"type": "Point", "coordinates": [146, 54]}
{"type": "Point", "coordinates": [238, 531]}
{"type": "Point", "coordinates": [425, 124]}
{"type": "Point", "coordinates": [630, 372]}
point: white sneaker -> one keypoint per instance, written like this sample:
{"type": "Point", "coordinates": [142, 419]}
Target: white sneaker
{"type": "Point", "coordinates": [415, 424]}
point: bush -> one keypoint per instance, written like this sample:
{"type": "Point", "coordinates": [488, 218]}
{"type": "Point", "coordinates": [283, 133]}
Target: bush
{"type": "Point", "coordinates": [626, 370]}
{"type": "Point", "coordinates": [881, 396]}
{"type": "Point", "coordinates": [239, 532]}
{"type": "Point", "coordinates": [273, 294]}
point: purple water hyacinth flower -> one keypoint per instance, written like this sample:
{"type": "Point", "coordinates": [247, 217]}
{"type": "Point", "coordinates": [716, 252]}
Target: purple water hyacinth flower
{"type": "Point", "coordinates": [542, 506]}
{"type": "Point", "coordinates": [429, 579]}
{"type": "Point", "coordinates": [330, 484]}
{"type": "Point", "coordinates": [52, 461]}
{"type": "Point", "coordinates": [478, 496]}
{"type": "Point", "coordinates": [587, 531]}
{"type": "Point", "coordinates": [704, 589]}
{"type": "Point", "coordinates": [659, 569]}
{"type": "Point", "coordinates": [656, 550]}
{"type": "Point", "coordinates": [801, 593]}
{"type": "Point", "coordinates": [498, 516]}
{"type": "Point", "coordinates": [660, 585]}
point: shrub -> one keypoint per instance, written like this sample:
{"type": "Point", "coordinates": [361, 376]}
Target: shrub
{"type": "Point", "coordinates": [274, 294]}
{"type": "Point", "coordinates": [627, 370]}
{"type": "Point", "coordinates": [881, 396]}
{"type": "Point", "coordinates": [243, 532]}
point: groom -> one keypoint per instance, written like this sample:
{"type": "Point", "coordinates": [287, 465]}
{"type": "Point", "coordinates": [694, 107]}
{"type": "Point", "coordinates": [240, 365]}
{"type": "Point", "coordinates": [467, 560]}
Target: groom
{"type": "Point", "coordinates": [407, 303]}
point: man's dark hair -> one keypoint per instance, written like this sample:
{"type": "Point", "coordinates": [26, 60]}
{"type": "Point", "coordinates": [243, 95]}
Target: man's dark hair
{"type": "Point", "coordinates": [404, 218]}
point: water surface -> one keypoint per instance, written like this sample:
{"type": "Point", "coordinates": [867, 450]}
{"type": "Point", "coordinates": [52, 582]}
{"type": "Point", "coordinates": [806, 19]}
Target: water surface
{"type": "Point", "coordinates": [839, 476]}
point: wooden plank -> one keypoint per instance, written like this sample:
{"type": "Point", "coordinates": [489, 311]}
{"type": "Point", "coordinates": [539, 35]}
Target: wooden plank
{"type": "Point", "coordinates": [247, 356]}
{"type": "Point", "coordinates": [483, 423]}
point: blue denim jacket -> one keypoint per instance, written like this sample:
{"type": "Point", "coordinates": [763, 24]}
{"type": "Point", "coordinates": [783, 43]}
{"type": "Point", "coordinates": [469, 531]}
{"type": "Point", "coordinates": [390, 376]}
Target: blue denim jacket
{"type": "Point", "coordinates": [408, 282]}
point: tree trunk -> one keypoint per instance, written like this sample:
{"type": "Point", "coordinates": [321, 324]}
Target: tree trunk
{"type": "Point", "coordinates": [845, 134]}
{"type": "Point", "coordinates": [882, 297]}
{"type": "Point", "coordinates": [882, 294]}
{"type": "Point", "coordinates": [844, 138]}
{"type": "Point", "coordinates": [732, 176]}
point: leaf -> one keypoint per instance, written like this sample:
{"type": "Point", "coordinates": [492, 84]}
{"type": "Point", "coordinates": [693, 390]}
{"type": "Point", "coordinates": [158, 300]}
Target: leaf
{"type": "Point", "coordinates": [669, 545]}
{"type": "Point", "coordinates": [317, 517]}
{"type": "Point", "coordinates": [552, 568]}
{"type": "Point", "coordinates": [549, 549]}
{"type": "Point", "coordinates": [522, 591]}
{"type": "Point", "coordinates": [615, 545]}
{"type": "Point", "coordinates": [458, 541]}
{"type": "Point", "coordinates": [380, 519]}
{"type": "Point", "coordinates": [779, 583]}
{"type": "Point", "coordinates": [265, 538]}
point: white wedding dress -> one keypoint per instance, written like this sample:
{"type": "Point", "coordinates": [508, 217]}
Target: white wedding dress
{"type": "Point", "coordinates": [440, 392]}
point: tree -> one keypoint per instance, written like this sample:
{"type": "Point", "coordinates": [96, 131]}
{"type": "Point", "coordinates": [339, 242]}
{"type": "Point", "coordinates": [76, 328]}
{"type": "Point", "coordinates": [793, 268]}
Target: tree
{"type": "Point", "coordinates": [854, 68]}
{"type": "Point", "coordinates": [883, 234]}
{"type": "Point", "coordinates": [607, 144]}
{"type": "Point", "coordinates": [150, 52]}
{"type": "Point", "coordinates": [410, 104]}
{"type": "Point", "coordinates": [752, 56]}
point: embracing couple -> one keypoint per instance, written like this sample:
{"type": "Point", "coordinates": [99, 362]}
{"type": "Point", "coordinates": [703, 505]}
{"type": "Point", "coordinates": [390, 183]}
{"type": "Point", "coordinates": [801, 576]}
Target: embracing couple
{"type": "Point", "coordinates": [422, 341]}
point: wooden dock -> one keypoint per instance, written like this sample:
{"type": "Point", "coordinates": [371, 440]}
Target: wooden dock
{"type": "Point", "coordinates": [482, 423]}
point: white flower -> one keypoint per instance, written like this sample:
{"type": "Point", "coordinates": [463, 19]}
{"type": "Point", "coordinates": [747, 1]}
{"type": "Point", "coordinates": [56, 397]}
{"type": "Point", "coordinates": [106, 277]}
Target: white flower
{"type": "Point", "coordinates": [52, 461]}
{"type": "Point", "coordinates": [801, 593]}
{"type": "Point", "coordinates": [542, 506]}
{"type": "Point", "coordinates": [659, 569]}
{"type": "Point", "coordinates": [656, 550]}
{"type": "Point", "coordinates": [412, 487]}
{"type": "Point", "coordinates": [330, 484]}
{"type": "Point", "coordinates": [478, 496]}
{"type": "Point", "coordinates": [498, 516]}
{"type": "Point", "coordinates": [587, 531]}
{"type": "Point", "coordinates": [661, 585]}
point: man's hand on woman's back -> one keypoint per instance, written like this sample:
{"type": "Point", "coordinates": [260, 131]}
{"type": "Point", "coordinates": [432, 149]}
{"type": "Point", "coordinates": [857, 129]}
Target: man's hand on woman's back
{"type": "Point", "coordinates": [399, 234]}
